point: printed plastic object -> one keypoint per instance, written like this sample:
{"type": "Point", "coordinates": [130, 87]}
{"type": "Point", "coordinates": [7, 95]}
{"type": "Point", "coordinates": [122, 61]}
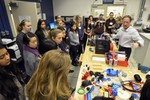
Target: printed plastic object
{"type": "Point", "coordinates": [135, 95]}
{"type": "Point", "coordinates": [91, 73]}
{"type": "Point", "coordinates": [137, 78]}
{"type": "Point", "coordinates": [81, 91]}
{"type": "Point", "coordinates": [84, 77]}
{"type": "Point", "coordinates": [144, 69]}
{"type": "Point", "coordinates": [111, 46]}
{"type": "Point", "coordinates": [86, 83]}
{"type": "Point", "coordinates": [100, 77]}
{"type": "Point", "coordinates": [111, 72]}
{"type": "Point", "coordinates": [97, 74]}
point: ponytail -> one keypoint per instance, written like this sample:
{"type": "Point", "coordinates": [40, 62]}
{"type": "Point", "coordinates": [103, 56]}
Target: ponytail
{"type": "Point", "coordinates": [20, 26]}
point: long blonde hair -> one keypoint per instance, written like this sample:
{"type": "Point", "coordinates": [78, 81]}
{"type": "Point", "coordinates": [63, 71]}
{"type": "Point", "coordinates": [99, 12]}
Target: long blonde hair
{"type": "Point", "coordinates": [50, 79]}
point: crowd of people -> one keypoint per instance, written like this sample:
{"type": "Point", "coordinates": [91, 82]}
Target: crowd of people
{"type": "Point", "coordinates": [48, 54]}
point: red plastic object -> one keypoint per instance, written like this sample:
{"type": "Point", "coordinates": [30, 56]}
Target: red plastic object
{"type": "Point", "coordinates": [119, 62]}
{"type": "Point", "coordinates": [122, 63]}
{"type": "Point", "coordinates": [107, 62]}
{"type": "Point", "coordinates": [111, 46]}
{"type": "Point", "coordinates": [84, 77]}
{"type": "Point", "coordinates": [84, 97]}
{"type": "Point", "coordinates": [109, 89]}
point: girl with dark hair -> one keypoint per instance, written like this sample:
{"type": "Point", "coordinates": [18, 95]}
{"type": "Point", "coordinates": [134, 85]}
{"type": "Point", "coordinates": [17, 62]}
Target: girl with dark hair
{"type": "Point", "coordinates": [48, 44]}
{"type": "Point", "coordinates": [145, 93]}
{"type": "Point", "coordinates": [30, 53]}
{"type": "Point", "coordinates": [41, 33]}
{"type": "Point", "coordinates": [87, 32]}
{"type": "Point", "coordinates": [110, 22]}
{"type": "Point", "coordinates": [11, 82]}
{"type": "Point", "coordinates": [74, 43]}
{"type": "Point", "coordinates": [91, 21]}
{"type": "Point", "coordinates": [99, 25]}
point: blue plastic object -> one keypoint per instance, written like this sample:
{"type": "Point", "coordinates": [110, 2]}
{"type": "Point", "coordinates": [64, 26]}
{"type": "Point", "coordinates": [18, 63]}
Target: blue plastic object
{"type": "Point", "coordinates": [106, 79]}
{"type": "Point", "coordinates": [88, 96]}
{"type": "Point", "coordinates": [111, 72]}
{"type": "Point", "coordinates": [108, 55]}
{"type": "Point", "coordinates": [135, 95]}
{"type": "Point", "coordinates": [115, 88]}
{"type": "Point", "coordinates": [135, 87]}
{"type": "Point", "coordinates": [91, 89]}
{"type": "Point", "coordinates": [114, 92]}
{"type": "Point", "coordinates": [90, 49]}
{"type": "Point", "coordinates": [144, 69]}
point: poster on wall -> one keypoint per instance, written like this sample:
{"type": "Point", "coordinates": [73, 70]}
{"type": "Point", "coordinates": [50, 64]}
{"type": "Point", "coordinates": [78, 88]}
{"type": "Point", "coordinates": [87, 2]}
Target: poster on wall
{"type": "Point", "coordinates": [97, 12]}
{"type": "Point", "coordinates": [24, 17]}
{"type": "Point", "coordinates": [117, 10]}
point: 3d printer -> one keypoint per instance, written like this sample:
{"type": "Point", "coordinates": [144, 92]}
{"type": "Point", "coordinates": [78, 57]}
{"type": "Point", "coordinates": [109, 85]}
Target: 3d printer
{"type": "Point", "coordinates": [102, 44]}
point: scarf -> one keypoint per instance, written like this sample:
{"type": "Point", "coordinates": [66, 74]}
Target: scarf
{"type": "Point", "coordinates": [32, 50]}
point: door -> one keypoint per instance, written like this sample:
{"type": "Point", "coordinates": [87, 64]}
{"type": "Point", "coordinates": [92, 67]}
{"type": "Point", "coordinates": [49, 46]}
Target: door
{"type": "Point", "coordinates": [26, 10]}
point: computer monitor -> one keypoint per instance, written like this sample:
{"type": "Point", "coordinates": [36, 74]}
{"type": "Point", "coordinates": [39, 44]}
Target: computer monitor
{"type": "Point", "coordinates": [52, 25]}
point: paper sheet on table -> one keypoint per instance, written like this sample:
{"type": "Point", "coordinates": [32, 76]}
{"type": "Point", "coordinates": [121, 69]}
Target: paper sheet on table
{"type": "Point", "coordinates": [121, 57]}
{"type": "Point", "coordinates": [101, 59]}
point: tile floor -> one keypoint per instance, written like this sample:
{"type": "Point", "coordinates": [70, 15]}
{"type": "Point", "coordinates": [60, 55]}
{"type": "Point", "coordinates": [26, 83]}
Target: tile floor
{"type": "Point", "coordinates": [74, 76]}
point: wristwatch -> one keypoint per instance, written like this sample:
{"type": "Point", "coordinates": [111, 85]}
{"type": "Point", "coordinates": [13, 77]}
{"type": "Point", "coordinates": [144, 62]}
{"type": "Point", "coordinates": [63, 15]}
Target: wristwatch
{"type": "Point", "coordinates": [139, 44]}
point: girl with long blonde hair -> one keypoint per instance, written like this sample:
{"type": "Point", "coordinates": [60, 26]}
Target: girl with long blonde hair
{"type": "Point", "coordinates": [50, 81]}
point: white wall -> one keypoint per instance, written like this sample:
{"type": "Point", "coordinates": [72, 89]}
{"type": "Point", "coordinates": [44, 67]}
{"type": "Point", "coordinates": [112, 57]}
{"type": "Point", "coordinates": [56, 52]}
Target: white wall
{"type": "Point", "coordinates": [83, 8]}
{"type": "Point", "coordinates": [31, 13]}
{"type": "Point", "coordinates": [12, 24]}
{"type": "Point", "coordinates": [23, 9]}
{"type": "Point", "coordinates": [146, 12]}
{"type": "Point", "coordinates": [133, 8]}
{"type": "Point", "coordinates": [72, 7]}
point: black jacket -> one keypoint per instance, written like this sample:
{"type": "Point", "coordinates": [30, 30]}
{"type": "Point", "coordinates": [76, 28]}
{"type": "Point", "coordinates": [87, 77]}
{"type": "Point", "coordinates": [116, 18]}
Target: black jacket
{"type": "Point", "coordinates": [11, 83]}
{"type": "Point", "coordinates": [46, 45]}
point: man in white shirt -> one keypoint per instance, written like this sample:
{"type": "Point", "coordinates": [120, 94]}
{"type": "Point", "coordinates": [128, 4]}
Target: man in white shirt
{"type": "Point", "coordinates": [128, 37]}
